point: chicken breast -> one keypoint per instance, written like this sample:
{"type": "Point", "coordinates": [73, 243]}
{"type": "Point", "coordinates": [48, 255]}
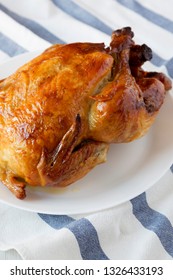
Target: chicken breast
{"type": "Point", "coordinates": [60, 111]}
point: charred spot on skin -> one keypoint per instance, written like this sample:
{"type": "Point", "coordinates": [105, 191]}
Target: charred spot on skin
{"type": "Point", "coordinates": [124, 31]}
{"type": "Point", "coordinates": [19, 179]}
{"type": "Point", "coordinates": [146, 52]}
{"type": "Point", "coordinates": [52, 164]}
{"type": "Point", "coordinates": [80, 145]}
{"type": "Point", "coordinates": [78, 119]}
{"type": "Point", "coordinates": [139, 55]}
{"type": "Point", "coordinates": [149, 105]}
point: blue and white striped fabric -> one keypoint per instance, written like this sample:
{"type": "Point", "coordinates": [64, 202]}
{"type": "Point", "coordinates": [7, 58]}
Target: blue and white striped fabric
{"type": "Point", "coordinates": [138, 229]}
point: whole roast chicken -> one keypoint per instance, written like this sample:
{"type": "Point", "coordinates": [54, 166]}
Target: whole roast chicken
{"type": "Point", "coordinates": [60, 112]}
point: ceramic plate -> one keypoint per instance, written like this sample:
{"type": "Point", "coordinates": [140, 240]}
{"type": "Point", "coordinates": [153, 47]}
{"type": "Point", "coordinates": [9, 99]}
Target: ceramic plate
{"type": "Point", "coordinates": [130, 168]}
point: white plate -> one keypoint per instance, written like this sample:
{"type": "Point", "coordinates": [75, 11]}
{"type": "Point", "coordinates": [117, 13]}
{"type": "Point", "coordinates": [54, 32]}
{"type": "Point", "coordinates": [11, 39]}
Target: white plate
{"type": "Point", "coordinates": [130, 168]}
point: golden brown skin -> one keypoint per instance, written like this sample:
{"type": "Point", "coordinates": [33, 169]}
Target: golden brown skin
{"type": "Point", "coordinates": [59, 112]}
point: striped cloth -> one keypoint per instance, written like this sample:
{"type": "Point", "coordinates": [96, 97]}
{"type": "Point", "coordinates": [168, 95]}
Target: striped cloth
{"type": "Point", "coordinates": [137, 229]}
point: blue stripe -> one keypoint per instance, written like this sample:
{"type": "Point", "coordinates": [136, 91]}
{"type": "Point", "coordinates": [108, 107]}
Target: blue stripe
{"type": "Point", "coordinates": [84, 232]}
{"type": "Point", "coordinates": [33, 26]}
{"type": "Point", "coordinates": [82, 15]}
{"type": "Point", "coordinates": [148, 14]}
{"type": "Point", "coordinates": [169, 66]}
{"type": "Point", "coordinates": [10, 47]}
{"type": "Point", "coordinates": [87, 239]}
{"type": "Point", "coordinates": [154, 221]}
{"type": "Point", "coordinates": [56, 221]}
{"type": "Point", "coordinates": [159, 61]}
{"type": "Point", "coordinates": [171, 168]}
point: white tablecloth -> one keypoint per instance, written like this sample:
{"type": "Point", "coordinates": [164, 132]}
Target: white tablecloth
{"type": "Point", "coordinates": [137, 229]}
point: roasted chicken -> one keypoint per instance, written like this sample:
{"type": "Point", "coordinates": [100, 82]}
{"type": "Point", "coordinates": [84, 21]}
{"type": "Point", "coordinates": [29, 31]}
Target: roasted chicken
{"type": "Point", "coordinates": [60, 111]}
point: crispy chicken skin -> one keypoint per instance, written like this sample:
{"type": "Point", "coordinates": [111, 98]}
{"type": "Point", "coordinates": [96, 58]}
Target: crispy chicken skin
{"type": "Point", "coordinates": [60, 112]}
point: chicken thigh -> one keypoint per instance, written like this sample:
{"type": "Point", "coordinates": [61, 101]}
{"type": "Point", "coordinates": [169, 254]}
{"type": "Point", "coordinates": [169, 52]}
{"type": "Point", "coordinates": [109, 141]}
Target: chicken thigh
{"type": "Point", "coordinates": [60, 111]}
